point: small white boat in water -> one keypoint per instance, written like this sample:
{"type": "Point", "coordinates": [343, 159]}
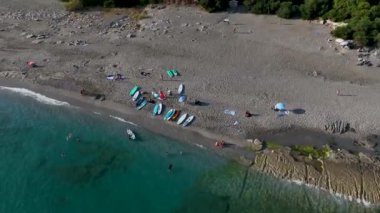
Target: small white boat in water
{"type": "Point", "coordinates": [131, 134]}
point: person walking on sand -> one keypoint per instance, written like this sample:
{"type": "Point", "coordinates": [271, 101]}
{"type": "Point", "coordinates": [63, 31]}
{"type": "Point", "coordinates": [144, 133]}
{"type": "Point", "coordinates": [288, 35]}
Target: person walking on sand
{"type": "Point", "coordinates": [338, 92]}
{"type": "Point", "coordinates": [161, 77]}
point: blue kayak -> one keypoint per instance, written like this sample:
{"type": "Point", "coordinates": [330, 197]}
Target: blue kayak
{"type": "Point", "coordinates": [142, 104]}
{"type": "Point", "coordinates": [157, 109]}
{"type": "Point", "coordinates": [139, 101]}
{"type": "Point", "coordinates": [169, 114]}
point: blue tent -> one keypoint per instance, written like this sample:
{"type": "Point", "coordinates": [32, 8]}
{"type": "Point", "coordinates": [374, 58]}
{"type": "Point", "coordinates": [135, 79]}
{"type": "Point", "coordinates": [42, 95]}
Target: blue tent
{"type": "Point", "coordinates": [280, 106]}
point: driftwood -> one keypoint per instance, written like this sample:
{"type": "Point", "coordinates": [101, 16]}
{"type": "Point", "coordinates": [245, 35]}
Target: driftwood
{"type": "Point", "coordinates": [337, 127]}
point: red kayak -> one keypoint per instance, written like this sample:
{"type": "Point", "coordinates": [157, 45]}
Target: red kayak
{"type": "Point", "coordinates": [162, 95]}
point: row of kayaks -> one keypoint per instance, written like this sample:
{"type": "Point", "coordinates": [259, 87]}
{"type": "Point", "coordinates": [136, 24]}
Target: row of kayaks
{"type": "Point", "coordinates": [171, 115]}
{"type": "Point", "coordinates": [184, 119]}
{"type": "Point", "coordinates": [172, 73]}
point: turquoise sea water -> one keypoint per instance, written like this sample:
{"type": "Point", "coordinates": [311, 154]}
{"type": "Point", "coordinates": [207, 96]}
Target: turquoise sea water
{"type": "Point", "coordinates": [98, 169]}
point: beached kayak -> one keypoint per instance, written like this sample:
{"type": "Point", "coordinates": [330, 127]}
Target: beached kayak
{"type": "Point", "coordinates": [170, 73]}
{"type": "Point", "coordinates": [142, 104]}
{"type": "Point", "coordinates": [134, 90]}
{"type": "Point", "coordinates": [188, 121]}
{"type": "Point", "coordinates": [175, 115]}
{"type": "Point", "coordinates": [182, 119]}
{"type": "Point", "coordinates": [139, 101]}
{"type": "Point", "coordinates": [162, 95]}
{"type": "Point", "coordinates": [181, 89]}
{"type": "Point", "coordinates": [169, 114]}
{"type": "Point", "coordinates": [174, 72]}
{"type": "Point", "coordinates": [136, 96]}
{"type": "Point", "coordinates": [155, 95]}
{"type": "Point", "coordinates": [157, 109]}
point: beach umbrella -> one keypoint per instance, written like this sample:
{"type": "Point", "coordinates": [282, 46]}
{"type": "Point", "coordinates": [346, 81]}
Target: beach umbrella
{"type": "Point", "coordinates": [280, 106]}
{"type": "Point", "coordinates": [182, 98]}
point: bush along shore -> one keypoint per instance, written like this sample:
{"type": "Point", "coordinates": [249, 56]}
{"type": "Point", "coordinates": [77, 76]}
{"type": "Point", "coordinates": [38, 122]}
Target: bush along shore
{"type": "Point", "coordinates": [361, 17]}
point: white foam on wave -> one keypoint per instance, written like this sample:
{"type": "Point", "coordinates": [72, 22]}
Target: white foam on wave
{"type": "Point", "coordinates": [122, 120]}
{"type": "Point", "coordinates": [200, 146]}
{"type": "Point", "coordinates": [37, 96]}
{"type": "Point", "coordinates": [97, 113]}
{"type": "Point", "coordinates": [345, 197]}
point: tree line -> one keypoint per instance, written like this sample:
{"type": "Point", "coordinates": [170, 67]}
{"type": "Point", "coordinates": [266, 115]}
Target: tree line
{"type": "Point", "coordinates": [362, 16]}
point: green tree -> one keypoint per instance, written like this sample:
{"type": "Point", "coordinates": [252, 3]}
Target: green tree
{"type": "Point", "coordinates": [344, 32]}
{"type": "Point", "coordinates": [312, 9]}
{"type": "Point", "coordinates": [362, 9]}
{"type": "Point", "coordinates": [377, 39]}
{"type": "Point", "coordinates": [285, 10]}
{"type": "Point", "coordinates": [374, 12]}
{"type": "Point", "coordinates": [214, 5]}
{"type": "Point", "coordinates": [362, 30]}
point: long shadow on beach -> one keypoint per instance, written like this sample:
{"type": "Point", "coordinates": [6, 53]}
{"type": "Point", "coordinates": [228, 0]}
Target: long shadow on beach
{"type": "Point", "coordinates": [298, 111]}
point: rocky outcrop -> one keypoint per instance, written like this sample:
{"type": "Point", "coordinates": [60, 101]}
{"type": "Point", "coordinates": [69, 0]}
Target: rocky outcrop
{"type": "Point", "coordinates": [354, 178]}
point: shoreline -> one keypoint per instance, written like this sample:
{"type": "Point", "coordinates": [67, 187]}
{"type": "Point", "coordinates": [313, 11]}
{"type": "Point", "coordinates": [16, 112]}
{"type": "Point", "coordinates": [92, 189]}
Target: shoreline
{"type": "Point", "coordinates": [204, 138]}
{"type": "Point", "coordinates": [129, 114]}
{"type": "Point", "coordinates": [245, 69]}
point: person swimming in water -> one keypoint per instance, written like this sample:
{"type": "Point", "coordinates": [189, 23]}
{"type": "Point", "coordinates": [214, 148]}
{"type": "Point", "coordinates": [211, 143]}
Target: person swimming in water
{"type": "Point", "coordinates": [170, 168]}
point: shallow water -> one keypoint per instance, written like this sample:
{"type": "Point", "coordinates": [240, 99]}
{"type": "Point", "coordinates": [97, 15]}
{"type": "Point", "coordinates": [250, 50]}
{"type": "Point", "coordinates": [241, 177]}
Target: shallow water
{"type": "Point", "coordinates": [63, 159]}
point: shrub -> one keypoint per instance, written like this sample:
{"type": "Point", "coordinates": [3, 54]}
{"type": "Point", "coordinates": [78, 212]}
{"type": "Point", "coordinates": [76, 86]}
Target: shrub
{"type": "Point", "coordinates": [315, 153]}
{"type": "Point", "coordinates": [109, 4]}
{"type": "Point", "coordinates": [214, 5]}
{"type": "Point", "coordinates": [73, 5]}
{"type": "Point", "coordinates": [312, 9]}
{"type": "Point", "coordinates": [286, 10]}
{"type": "Point", "coordinates": [271, 145]}
{"type": "Point", "coordinates": [377, 39]}
{"type": "Point", "coordinates": [248, 4]}
{"type": "Point", "coordinates": [344, 32]}
{"type": "Point", "coordinates": [266, 6]}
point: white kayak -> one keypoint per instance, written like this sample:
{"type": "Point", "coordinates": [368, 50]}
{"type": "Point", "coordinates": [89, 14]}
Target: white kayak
{"type": "Point", "coordinates": [188, 121]}
{"type": "Point", "coordinates": [136, 96]}
{"type": "Point", "coordinates": [131, 134]}
{"type": "Point", "coordinates": [182, 119]}
{"type": "Point", "coordinates": [180, 89]}
{"type": "Point", "coordinates": [157, 110]}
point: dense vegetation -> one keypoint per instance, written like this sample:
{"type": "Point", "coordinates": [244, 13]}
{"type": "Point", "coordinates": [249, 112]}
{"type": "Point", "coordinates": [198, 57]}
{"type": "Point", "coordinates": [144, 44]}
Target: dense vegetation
{"type": "Point", "coordinates": [362, 16]}
{"type": "Point", "coordinates": [80, 4]}
{"type": "Point", "coordinates": [209, 5]}
{"type": "Point", "coordinates": [315, 153]}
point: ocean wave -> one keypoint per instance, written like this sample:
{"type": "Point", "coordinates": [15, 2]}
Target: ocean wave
{"type": "Point", "coordinates": [37, 96]}
{"type": "Point", "coordinates": [122, 120]}
{"type": "Point", "coordinates": [97, 113]}
{"type": "Point", "coordinates": [200, 146]}
{"type": "Point", "coordinates": [345, 197]}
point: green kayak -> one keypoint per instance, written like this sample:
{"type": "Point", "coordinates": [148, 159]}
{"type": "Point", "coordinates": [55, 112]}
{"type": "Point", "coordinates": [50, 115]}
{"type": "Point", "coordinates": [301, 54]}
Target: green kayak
{"type": "Point", "coordinates": [134, 90]}
{"type": "Point", "coordinates": [170, 73]}
{"type": "Point", "coordinates": [175, 72]}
